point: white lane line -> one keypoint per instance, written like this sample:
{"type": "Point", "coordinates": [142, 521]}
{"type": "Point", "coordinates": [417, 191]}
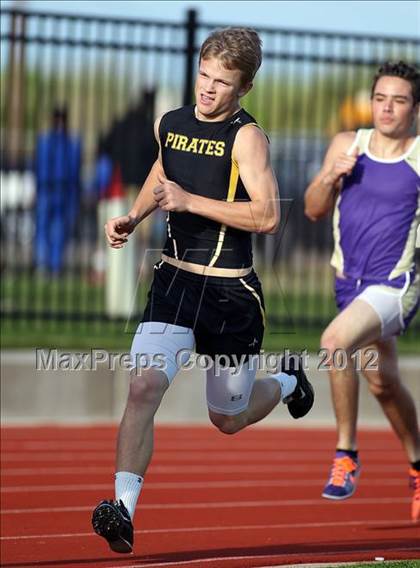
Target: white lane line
{"type": "Point", "coordinates": [184, 445]}
{"type": "Point", "coordinates": [162, 469]}
{"type": "Point", "coordinates": [52, 446]}
{"type": "Point", "coordinates": [216, 528]}
{"type": "Point", "coordinates": [187, 468]}
{"type": "Point", "coordinates": [210, 505]}
{"type": "Point", "coordinates": [31, 471]}
{"type": "Point", "coordinates": [227, 505]}
{"type": "Point", "coordinates": [58, 488]}
{"type": "Point", "coordinates": [228, 455]}
{"type": "Point", "coordinates": [55, 456]}
{"type": "Point", "coordinates": [189, 485]}
{"type": "Point", "coordinates": [219, 559]}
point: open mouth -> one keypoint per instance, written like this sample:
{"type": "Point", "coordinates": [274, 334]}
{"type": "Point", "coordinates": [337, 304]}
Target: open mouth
{"type": "Point", "coordinates": [205, 99]}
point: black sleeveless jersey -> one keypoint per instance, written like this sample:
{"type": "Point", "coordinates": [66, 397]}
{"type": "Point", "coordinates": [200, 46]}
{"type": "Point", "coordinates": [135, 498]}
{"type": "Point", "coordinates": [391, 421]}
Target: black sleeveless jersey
{"type": "Point", "coordinates": [198, 156]}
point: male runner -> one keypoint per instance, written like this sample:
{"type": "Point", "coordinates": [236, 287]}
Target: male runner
{"type": "Point", "coordinates": [371, 179]}
{"type": "Point", "coordinates": [214, 178]}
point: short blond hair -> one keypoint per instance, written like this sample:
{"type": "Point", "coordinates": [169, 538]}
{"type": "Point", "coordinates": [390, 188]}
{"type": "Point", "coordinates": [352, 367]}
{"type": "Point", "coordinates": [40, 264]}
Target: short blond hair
{"type": "Point", "coordinates": [237, 48]}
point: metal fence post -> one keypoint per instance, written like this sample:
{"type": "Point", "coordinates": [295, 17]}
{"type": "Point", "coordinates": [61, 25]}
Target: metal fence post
{"type": "Point", "coordinates": [16, 86]}
{"type": "Point", "coordinates": [191, 28]}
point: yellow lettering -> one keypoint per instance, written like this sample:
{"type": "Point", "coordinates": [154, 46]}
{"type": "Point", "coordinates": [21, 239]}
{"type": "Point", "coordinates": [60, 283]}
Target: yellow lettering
{"type": "Point", "coordinates": [175, 142]}
{"type": "Point", "coordinates": [169, 138]}
{"type": "Point", "coordinates": [182, 144]}
{"type": "Point", "coordinates": [220, 149]}
{"type": "Point", "coordinates": [203, 143]}
{"type": "Point", "coordinates": [193, 146]}
{"type": "Point", "coordinates": [210, 148]}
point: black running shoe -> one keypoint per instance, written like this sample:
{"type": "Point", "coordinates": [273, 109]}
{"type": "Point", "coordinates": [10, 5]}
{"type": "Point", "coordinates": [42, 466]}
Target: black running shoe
{"type": "Point", "coordinates": [301, 400]}
{"type": "Point", "coordinates": [111, 520]}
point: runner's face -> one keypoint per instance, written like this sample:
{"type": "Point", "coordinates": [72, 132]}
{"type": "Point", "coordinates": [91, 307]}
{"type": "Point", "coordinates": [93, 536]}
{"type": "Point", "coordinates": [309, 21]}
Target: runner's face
{"type": "Point", "coordinates": [217, 90]}
{"type": "Point", "coordinates": [392, 107]}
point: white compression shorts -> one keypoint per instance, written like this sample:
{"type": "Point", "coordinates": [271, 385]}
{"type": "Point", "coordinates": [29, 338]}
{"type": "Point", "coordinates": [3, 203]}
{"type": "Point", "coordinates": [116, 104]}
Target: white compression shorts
{"type": "Point", "coordinates": [162, 346]}
{"type": "Point", "coordinates": [168, 347]}
{"type": "Point", "coordinates": [393, 306]}
{"type": "Point", "coordinates": [228, 391]}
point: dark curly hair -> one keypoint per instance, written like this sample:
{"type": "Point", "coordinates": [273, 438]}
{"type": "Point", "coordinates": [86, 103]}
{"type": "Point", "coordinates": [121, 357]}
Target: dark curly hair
{"type": "Point", "coordinates": [402, 70]}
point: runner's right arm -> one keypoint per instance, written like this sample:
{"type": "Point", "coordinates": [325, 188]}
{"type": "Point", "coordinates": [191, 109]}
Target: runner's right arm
{"type": "Point", "coordinates": [321, 193]}
{"type": "Point", "coordinates": [118, 229]}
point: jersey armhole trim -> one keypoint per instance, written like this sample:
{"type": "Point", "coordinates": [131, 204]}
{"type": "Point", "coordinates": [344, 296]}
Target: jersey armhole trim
{"type": "Point", "coordinates": [355, 143]}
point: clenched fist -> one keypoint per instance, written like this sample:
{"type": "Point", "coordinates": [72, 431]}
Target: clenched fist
{"type": "Point", "coordinates": [343, 166]}
{"type": "Point", "coordinates": [170, 196]}
{"type": "Point", "coordinates": [118, 229]}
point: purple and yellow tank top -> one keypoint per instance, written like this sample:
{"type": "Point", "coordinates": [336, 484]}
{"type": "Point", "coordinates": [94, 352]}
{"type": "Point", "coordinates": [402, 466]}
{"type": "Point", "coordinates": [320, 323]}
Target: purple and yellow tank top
{"type": "Point", "coordinates": [377, 215]}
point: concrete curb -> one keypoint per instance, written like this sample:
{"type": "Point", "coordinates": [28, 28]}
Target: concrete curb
{"type": "Point", "coordinates": [32, 396]}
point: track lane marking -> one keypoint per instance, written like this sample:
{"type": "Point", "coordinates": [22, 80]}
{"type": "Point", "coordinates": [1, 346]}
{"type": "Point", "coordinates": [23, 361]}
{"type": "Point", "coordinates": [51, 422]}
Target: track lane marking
{"type": "Point", "coordinates": [228, 505]}
{"type": "Point", "coordinates": [187, 485]}
{"type": "Point", "coordinates": [217, 528]}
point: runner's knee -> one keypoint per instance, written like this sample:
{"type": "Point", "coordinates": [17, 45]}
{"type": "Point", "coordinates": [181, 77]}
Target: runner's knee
{"type": "Point", "coordinates": [226, 424]}
{"type": "Point", "coordinates": [147, 388]}
{"type": "Point", "coordinates": [332, 341]}
{"type": "Point", "coordinates": [382, 389]}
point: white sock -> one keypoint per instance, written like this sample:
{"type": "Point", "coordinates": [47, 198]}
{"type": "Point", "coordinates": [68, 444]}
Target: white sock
{"type": "Point", "coordinates": [127, 488]}
{"type": "Point", "coordinates": [287, 384]}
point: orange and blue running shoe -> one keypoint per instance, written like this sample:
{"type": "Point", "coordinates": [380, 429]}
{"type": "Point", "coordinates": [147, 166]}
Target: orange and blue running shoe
{"type": "Point", "coordinates": [414, 482]}
{"type": "Point", "coordinates": [343, 477]}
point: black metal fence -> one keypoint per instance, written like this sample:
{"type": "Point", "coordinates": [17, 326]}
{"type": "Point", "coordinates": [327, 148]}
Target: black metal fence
{"type": "Point", "coordinates": [112, 76]}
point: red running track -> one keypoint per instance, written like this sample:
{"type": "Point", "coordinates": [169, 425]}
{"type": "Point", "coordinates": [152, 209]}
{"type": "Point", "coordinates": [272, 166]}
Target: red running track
{"type": "Point", "coordinates": [209, 501]}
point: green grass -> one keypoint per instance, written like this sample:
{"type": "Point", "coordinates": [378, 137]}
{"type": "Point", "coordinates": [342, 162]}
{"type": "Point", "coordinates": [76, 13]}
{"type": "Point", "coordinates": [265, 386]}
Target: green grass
{"type": "Point", "coordinates": [114, 337]}
{"type": "Point", "coordinates": [309, 339]}
{"type": "Point", "coordinates": [78, 294]}
{"type": "Point", "coordinates": [377, 564]}
{"type": "Point", "coordinates": [298, 313]}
